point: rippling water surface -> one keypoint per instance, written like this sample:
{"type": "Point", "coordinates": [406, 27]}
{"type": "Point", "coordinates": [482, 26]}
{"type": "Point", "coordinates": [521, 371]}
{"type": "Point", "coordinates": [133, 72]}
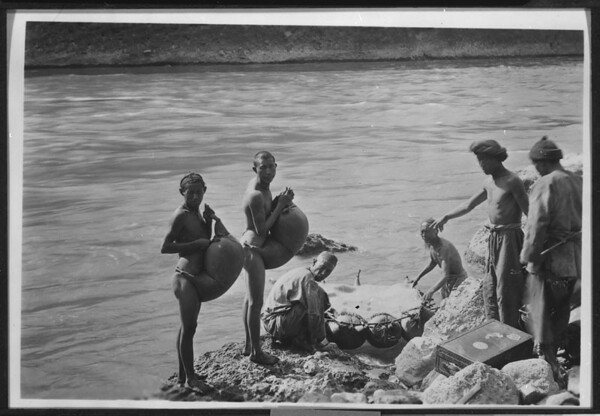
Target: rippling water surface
{"type": "Point", "coordinates": [369, 149]}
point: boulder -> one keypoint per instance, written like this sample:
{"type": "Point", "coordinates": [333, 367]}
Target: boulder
{"type": "Point", "coordinates": [376, 384]}
{"type": "Point", "coordinates": [459, 313]}
{"type": "Point", "coordinates": [416, 360]}
{"type": "Point", "coordinates": [429, 379]}
{"type": "Point", "coordinates": [316, 243]}
{"type": "Point", "coordinates": [478, 382]}
{"type": "Point", "coordinates": [533, 378]}
{"type": "Point", "coordinates": [530, 394]}
{"type": "Point", "coordinates": [477, 249]}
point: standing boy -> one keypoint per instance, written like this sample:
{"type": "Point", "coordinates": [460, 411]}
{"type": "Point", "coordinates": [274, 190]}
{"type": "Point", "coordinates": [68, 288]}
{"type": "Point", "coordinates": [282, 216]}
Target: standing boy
{"type": "Point", "coordinates": [503, 283]}
{"type": "Point", "coordinates": [260, 218]}
{"type": "Point", "coordinates": [189, 236]}
{"type": "Point", "coordinates": [443, 254]}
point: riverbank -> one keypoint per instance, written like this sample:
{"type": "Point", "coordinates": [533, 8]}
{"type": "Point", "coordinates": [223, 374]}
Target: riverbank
{"type": "Point", "coordinates": [51, 44]}
{"type": "Point", "coordinates": [339, 377]}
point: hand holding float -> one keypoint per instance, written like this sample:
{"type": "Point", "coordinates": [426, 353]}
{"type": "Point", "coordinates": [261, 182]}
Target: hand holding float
{"type": "Point", "coordinates": [287, 235]}
{"type": "Point", "coordinates": [223, 261]}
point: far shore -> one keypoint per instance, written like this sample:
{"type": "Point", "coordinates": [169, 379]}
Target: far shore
{"type": "Point", "coordinates": [96, 45]}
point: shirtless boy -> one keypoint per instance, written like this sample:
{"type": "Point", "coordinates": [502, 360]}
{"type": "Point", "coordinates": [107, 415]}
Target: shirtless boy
{"type": "Point", "coordinates": [504, 281]}
{"type": "Point", "coordinates": [189, 236]}
{"type": "Point", "coordinates": [443, 254]}
{"type": "Point", "coordinates": [260, 218]}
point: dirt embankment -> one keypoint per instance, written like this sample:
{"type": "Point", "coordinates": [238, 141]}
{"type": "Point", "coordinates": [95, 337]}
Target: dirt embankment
{"type": "Point", "coordinates": [100, 44]}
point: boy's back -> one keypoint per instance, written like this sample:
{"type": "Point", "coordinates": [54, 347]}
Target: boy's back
{"type": "Point", "coordinates": [447, 252]}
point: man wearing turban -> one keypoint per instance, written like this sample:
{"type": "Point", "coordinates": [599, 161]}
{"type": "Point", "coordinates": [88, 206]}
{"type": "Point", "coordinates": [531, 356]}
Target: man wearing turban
{"type": "Point", "coordinates": [552, 248]}
{"type": "Point", "coordinates": [504, 280]}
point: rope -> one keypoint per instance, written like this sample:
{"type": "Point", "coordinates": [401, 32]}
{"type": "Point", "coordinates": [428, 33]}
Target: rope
{"type": "Point", "coordinates": [405, 314]}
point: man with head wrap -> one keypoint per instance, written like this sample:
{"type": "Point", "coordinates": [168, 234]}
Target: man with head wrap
{"type": "Point", "coordinates": [552, 248]}
{"type": "Point", "coordinates": [504, 281]}
{"type": "Point", "coordinates": [295, 309]}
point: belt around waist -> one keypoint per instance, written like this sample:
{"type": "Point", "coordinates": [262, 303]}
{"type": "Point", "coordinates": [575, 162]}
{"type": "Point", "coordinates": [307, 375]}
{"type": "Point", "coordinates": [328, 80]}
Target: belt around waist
{"type": "Point", "coordinates": [502, 227]}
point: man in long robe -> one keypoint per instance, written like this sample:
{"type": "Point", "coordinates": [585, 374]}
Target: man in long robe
{"type": "Point", "coordinates": [552, 248]}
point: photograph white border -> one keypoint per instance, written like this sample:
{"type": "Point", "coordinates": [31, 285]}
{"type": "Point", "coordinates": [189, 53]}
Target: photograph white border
{"type": "Point", "coordinates": [555, 19]}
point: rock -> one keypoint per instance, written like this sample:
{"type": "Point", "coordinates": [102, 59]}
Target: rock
{"type": "Point", "coordinates": [261, 388]}
{"type": "Point", "coordinates": [378, 374]}
{"type": "Point", "coordinates": [314, 397]}
{"type": "Point", "coordinates": [564, 398]}
{"type": "Point", "coordinates": [348, 398]}
{"type": "Point", "coordinates": [430, 378]}
{"type": "Point", "coordinates": [374, 385]}
{"type": "Point", "coordinates": [495, 387]}
{"type": "Point", "coordinates": [460, 312]}
{"type": "Point", "coordinates": [397, 396]}
{"type": "Point", "coordinates": [533, 378]}
{"type": "Point", "coordinates": [477, 250]}
{"type": "Point", "coordinates": [530, 395]}
{"type": "Point", "coordinates": [316, 243]}
{"type": "Point", "coordinates": [573, 385]}
{"type": "Point", "coordinates": [311, 367]}
{"type": "Point", "coordinates": [231, 394]}
{"type": "Point", "coordinates": [416, 360]}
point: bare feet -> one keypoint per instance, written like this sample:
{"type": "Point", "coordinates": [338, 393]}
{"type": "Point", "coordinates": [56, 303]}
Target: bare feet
{"type": "Point", "coordinates": [199, 386]}
{"type": "Point", "coordinates": [264, 358]}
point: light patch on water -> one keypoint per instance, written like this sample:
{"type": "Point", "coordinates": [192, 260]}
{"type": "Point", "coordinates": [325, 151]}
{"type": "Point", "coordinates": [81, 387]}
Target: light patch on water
{"type": "Point", "coordinates": [368, 300]}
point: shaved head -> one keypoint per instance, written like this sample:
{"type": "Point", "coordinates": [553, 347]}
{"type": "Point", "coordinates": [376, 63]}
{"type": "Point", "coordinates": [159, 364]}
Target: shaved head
{"type": "Point", "coordinates": [263, 154]}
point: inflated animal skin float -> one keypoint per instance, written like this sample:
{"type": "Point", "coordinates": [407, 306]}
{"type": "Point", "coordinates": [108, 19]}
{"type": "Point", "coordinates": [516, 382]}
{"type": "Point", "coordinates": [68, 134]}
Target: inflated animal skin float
{"type": "Point", "coordinates": [380, 315]}
{"type": "Point", "coordinates": [286, 237]}
{"type": "Point", "coordinates": [223, 262]}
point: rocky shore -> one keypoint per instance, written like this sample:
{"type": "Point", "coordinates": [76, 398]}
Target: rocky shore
{"type": "Point", "coordinates": [340, 377]}
{"type": "Point", "coordinates": [56, 45]}
{"type": "Point", "coordinates": [403, 374]}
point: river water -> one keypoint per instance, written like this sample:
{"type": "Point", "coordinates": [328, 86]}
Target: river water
{"type": "Point", "coordinates": [370, 149]}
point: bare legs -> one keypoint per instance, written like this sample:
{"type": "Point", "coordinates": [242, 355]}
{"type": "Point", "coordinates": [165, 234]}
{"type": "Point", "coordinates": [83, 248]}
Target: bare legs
{"type": "Point", "coordinates": [189, 308]}
{"type": "Point", "coordinates": [253, 302]}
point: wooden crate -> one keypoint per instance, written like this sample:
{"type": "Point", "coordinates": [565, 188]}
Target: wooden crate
{"type": "Point", "coordinates": [492, 343]}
